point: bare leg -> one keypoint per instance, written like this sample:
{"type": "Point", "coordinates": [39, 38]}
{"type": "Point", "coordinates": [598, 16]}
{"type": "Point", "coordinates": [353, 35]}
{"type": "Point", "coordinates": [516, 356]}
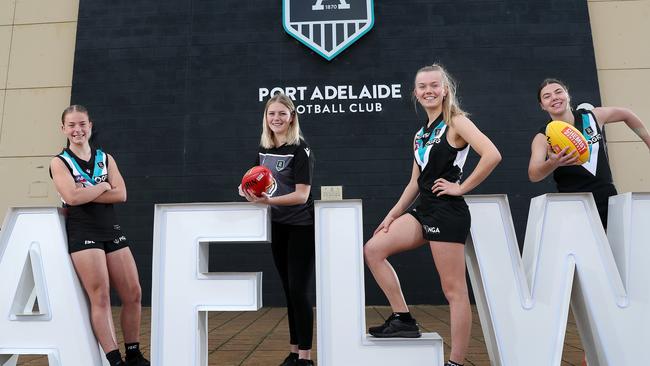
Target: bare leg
{"type": "Point", "coordinates": [302, 353]}
{"type": "Point", "coordinates": [450, 262]}
{"type": "Point", "coordinates": [125, 280]}
{"type": "Point", "coordinates": [305, 354]}
{"type": "Point", "coordinates": [404, 233]}
{"type": "Point", "coordinates": [91, 268]}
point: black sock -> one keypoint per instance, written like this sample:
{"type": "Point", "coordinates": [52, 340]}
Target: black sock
{"type": "Point", "coordinates": [132, 350]}
{"type": "Point", "coordinates": [114, 358]}
{"type": "Point", "coordinates": [405, 316]}
{"type": "Point", "coordinates": [452, 363]}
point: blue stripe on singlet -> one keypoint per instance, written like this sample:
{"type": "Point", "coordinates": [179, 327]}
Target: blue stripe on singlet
{"type": "Point", "coordinates": [421, 149]}
{"type": "Point", "coordinates": [424, 148]}
{"type": "Point", "coordinates": [97, 172]}
{"type": "Point", "coordinates": [99, 158]}
{"type": "Point", "coordinates": [586, 122]}
{"type": "Point", "coordinates": [78, 168]}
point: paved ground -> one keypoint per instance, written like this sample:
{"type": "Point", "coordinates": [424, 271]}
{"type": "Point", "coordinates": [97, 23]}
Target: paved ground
{"type": "Point", "coordinates": [260, 338]}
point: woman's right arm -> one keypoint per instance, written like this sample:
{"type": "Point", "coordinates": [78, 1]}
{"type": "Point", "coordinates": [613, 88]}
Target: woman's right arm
{"type": "Point", "coordinates": [539, 166]}
{"type": "Point", "coordinates": [65, 185]}
{"type": "Point", "coordinates": [405, 201]}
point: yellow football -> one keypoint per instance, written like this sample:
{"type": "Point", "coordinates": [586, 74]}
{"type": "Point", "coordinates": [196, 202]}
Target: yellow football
{"type": "Point", "coordinates": [561, 134]}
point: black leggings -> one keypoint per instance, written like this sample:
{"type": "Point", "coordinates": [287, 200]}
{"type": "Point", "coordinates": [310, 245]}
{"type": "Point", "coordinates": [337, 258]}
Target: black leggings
{"type": "Point", "coordinates": [293, 253]}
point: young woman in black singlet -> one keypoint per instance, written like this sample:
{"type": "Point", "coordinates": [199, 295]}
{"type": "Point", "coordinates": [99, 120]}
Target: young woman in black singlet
{"type": "Point", "coordinates": [593, 176]}
{"type": "Point", "coordinates": [441, 218]}
{"type": "Point", "coordinates": [89, 183]}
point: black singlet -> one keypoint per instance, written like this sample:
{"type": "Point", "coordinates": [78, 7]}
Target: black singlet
{"type": "Point", "coordinates": [593, 176]}
{"type": "Point", "coordinates": [95, 221]}
{"type": "Point", "coordinates": [291, 165]}
{"type": "Point", "coordinates": [436, 158]}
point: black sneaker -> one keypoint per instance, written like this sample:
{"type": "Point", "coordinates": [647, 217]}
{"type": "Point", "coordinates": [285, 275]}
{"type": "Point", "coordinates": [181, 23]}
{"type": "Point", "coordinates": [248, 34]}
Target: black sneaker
{"type": "Point", "coordinates": [139, 360]}
{"type": "Point", "coordinates": [303, 362]}
{"type": "Point", "coordinates": [452, 363]}
{"type": "Point", "coordinates": [394, 327]}
{"type": "Point", "coordinates": [290, 360]}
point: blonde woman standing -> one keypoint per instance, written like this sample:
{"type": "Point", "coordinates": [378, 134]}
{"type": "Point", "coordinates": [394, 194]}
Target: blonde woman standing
{"type": "Point", "coordinates": [284, 151]}
{"type": "Point", "coordinates": [441, 218]}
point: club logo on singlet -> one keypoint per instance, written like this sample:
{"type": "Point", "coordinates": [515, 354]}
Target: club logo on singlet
{"type": "Point", "coordinates": [327, 26]}
{"type": "Point", "coordinates": [100, 165]}
{"type": "Point", "coordinates": [82, 180]}
{"type": "Point", "coordinates": [279, 165]}
{"type": "Point", "coordinates": [594, 139]}
{"type": "Point", "coordinates": [437, 132]}
{"type": "Point", "coordinates": [591, 136]}
{"type": "Point", "coordinates": [101, 178]}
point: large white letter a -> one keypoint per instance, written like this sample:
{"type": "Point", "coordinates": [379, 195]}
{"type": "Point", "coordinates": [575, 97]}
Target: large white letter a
{"type": "Point", "coordinates": [43, 309]}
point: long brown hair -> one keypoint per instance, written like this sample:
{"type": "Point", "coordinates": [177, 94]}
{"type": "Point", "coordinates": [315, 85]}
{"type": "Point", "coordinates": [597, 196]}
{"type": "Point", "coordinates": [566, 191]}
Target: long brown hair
{"type": "Point", "coordinates": [549, 81]}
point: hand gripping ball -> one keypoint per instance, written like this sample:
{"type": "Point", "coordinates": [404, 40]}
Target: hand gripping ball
{"type": "Point", "coordinates": [561, 134]}
{"type": "Point", "coordinates": [258, 179]}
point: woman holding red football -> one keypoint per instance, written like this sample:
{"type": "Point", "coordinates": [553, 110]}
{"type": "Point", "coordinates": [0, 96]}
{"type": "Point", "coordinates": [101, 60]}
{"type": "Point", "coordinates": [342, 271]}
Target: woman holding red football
{"type": "Point", "coordinates": [441, 218]}
{"type": "Point", "coordinates": [593, 176]}
{"type": "Point", "coordinates": [284, 151]}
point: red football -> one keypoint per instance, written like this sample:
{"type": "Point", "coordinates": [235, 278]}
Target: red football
{"type": "Point", "coordinates": [258, 179]}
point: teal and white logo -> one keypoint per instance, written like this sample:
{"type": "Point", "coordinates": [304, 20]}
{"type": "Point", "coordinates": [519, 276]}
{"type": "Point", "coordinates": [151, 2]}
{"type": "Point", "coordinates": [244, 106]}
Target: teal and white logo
{"type": "Point", "coordinates": [327, 26]}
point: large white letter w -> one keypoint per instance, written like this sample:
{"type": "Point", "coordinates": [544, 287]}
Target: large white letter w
{"type": "Point", "coordinates": [523, 304]}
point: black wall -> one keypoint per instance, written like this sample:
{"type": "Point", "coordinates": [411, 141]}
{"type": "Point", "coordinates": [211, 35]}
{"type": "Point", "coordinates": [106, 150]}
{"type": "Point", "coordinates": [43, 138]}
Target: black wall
{"type": "Point", "coordinates": [173, 90]}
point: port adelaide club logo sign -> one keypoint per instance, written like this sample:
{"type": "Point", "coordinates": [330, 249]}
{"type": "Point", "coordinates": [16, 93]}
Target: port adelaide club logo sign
{"type": "Point", "coordinates": [327, 26]}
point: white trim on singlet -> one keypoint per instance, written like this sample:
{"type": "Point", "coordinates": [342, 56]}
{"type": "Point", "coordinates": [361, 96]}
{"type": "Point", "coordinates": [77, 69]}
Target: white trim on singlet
{"type": "Point", "coordinates": [277, 155]}
{"type": "Point", "coordinates": [461, 157]}
{"type": "Point", "coordinates": [421, 163]}
{"type": "Point", "coordinates": [592, 164]}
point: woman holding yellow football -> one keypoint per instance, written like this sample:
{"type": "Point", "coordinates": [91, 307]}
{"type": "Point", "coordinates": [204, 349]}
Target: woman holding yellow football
{"type": "Point", "coordinates": [593, 176]}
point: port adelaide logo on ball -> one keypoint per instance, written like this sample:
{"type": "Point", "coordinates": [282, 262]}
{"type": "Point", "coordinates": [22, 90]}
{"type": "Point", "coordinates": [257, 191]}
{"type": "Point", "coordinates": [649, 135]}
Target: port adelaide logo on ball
{"type": "Point", "coordinates": [327, 26]}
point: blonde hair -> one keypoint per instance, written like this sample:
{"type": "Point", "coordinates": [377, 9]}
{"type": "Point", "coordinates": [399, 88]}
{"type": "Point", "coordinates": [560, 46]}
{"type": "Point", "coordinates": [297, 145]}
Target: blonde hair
{"type": "Point", "coordinates": [293, 135]}
{"type": "Point", "coordinates": [450, 104]}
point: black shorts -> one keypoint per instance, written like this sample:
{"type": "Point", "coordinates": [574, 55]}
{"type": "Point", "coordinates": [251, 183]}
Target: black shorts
{"type": "Point", "coordinates": [108, 246]}
{"type": "Point", "coordinates": [447, 221]}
